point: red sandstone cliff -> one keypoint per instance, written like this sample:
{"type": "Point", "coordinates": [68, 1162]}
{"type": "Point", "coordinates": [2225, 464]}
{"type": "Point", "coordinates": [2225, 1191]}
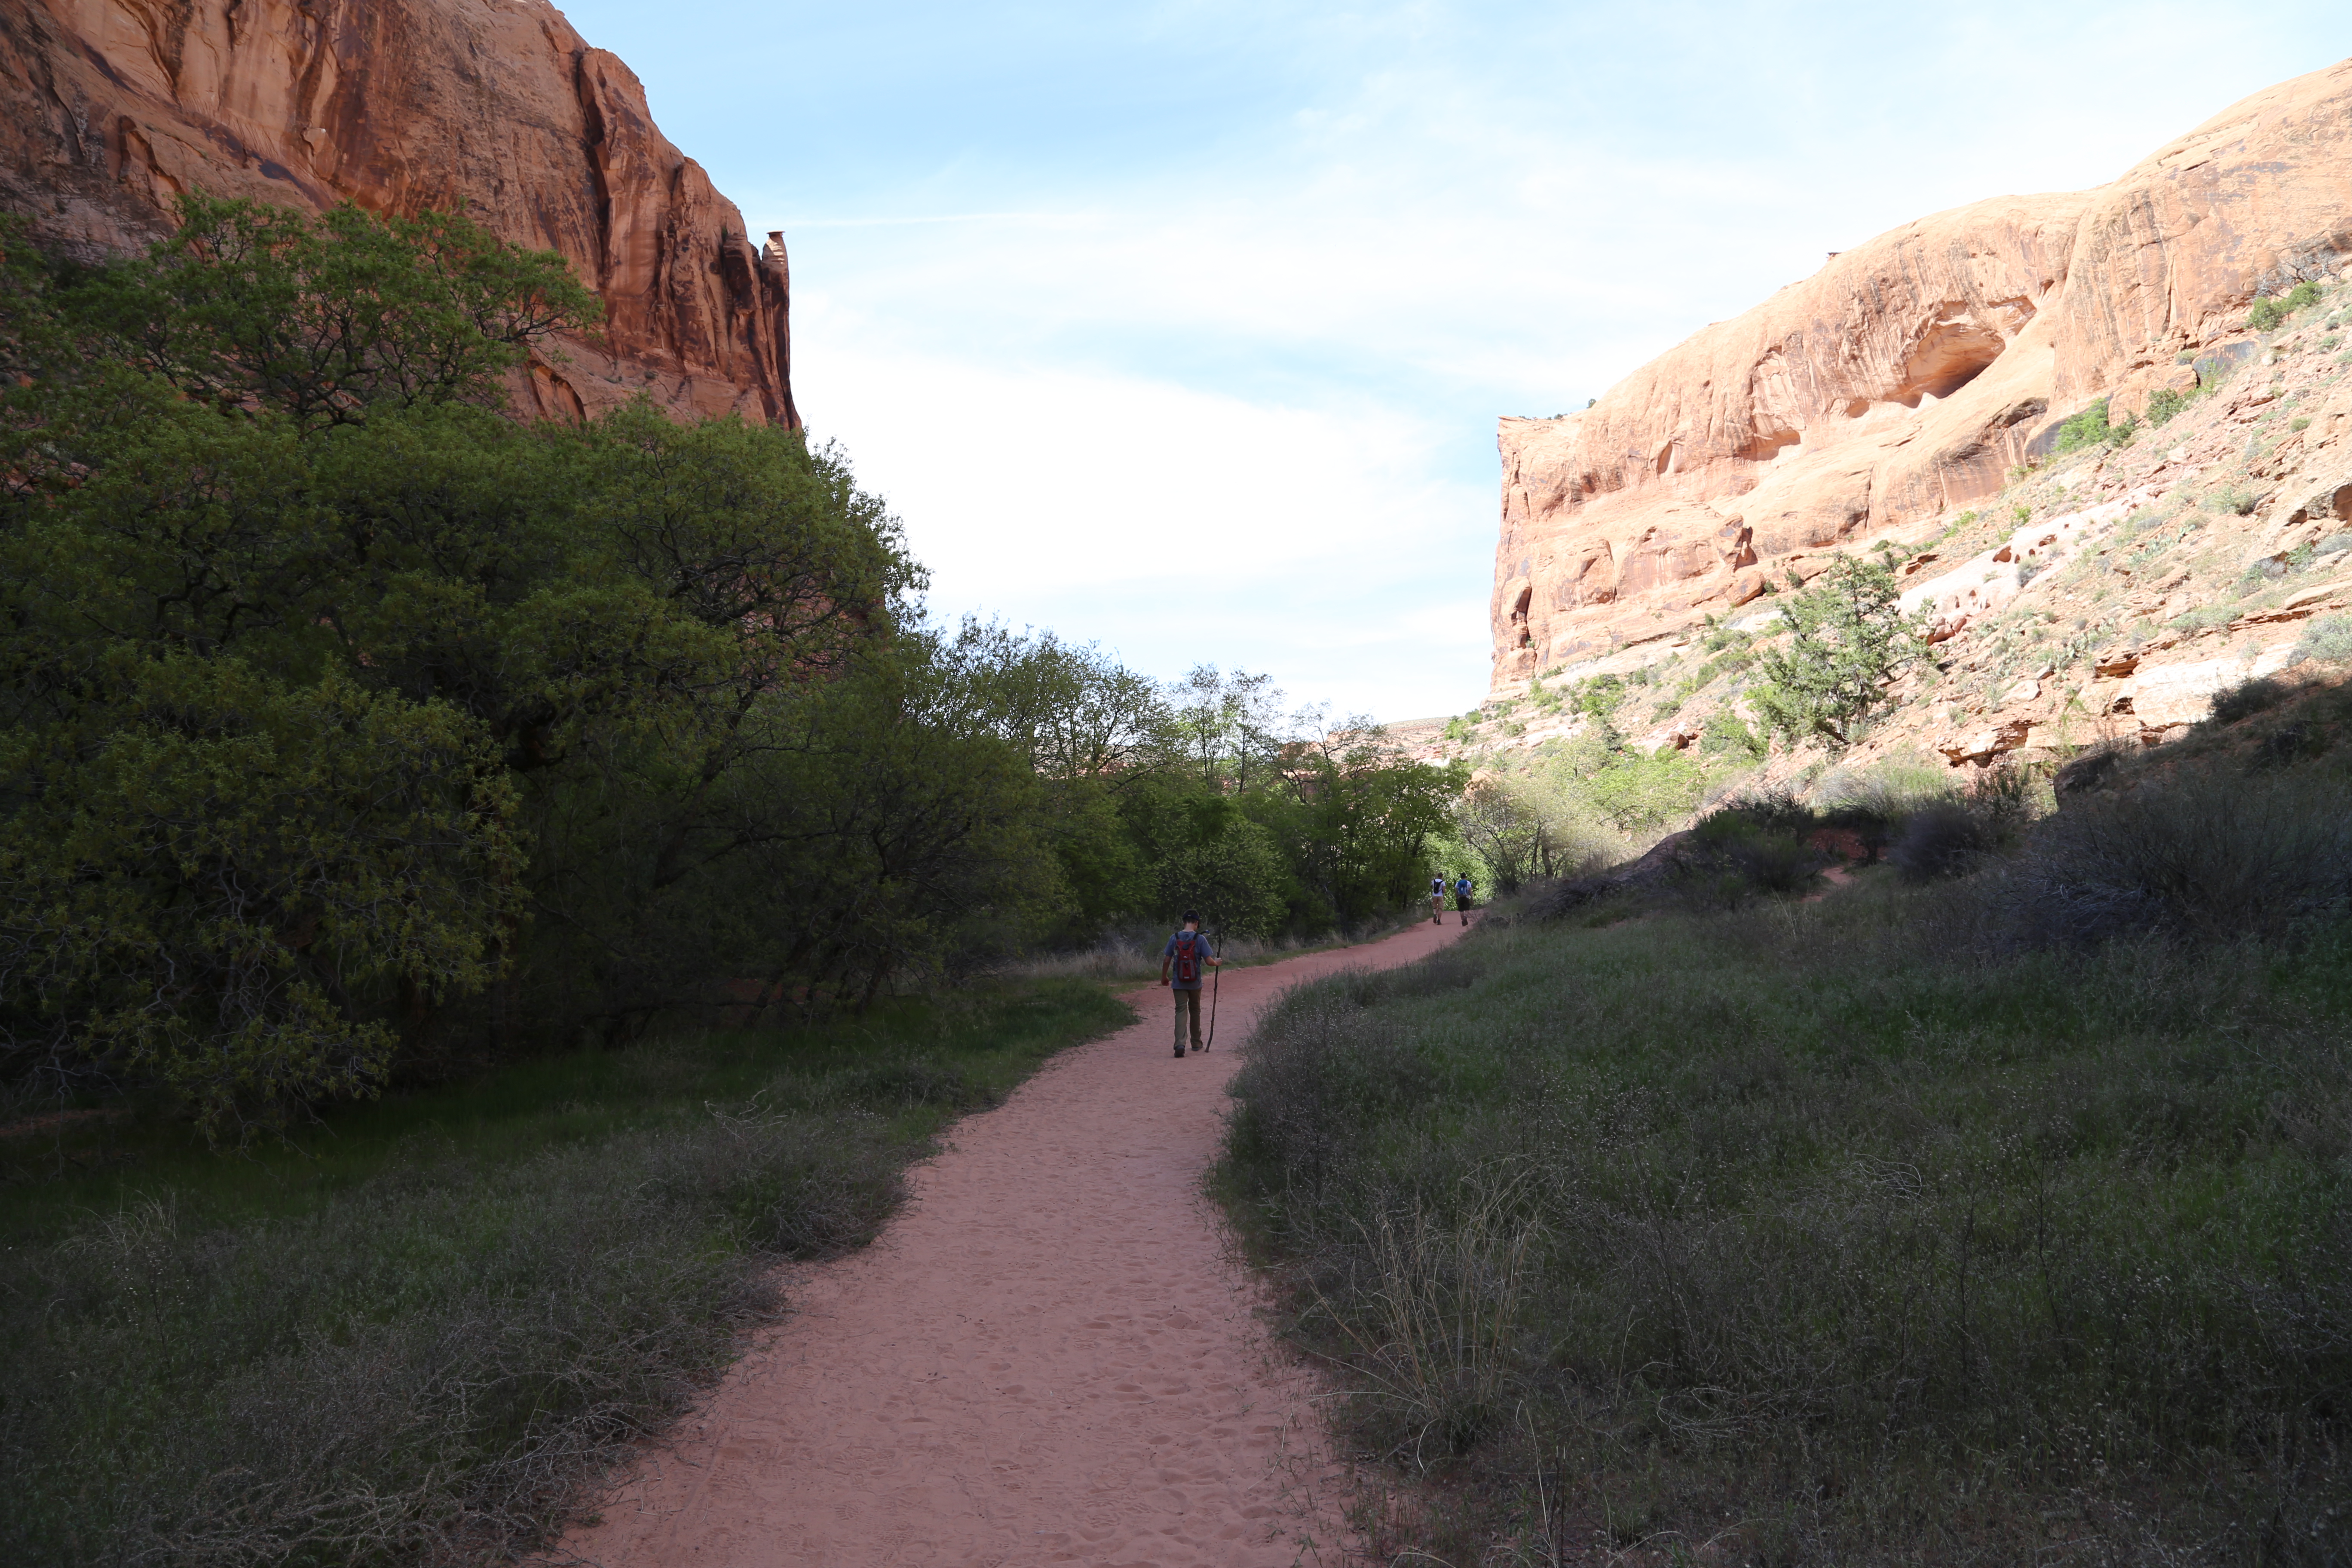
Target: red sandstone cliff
{"type": "Point", "coordinates": [1903, 379]}
{"type": "Point", "coordinates": [108, 108]}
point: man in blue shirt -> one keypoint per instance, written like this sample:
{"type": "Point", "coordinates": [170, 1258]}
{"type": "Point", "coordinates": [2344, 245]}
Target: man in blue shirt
{"type": "Point", "coordinates": [1183, 963]}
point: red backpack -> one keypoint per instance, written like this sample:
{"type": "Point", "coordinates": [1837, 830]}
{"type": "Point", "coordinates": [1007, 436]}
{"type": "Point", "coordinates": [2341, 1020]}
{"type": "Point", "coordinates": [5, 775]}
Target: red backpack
{"type": "Point", "coordinates": [1188, 958]}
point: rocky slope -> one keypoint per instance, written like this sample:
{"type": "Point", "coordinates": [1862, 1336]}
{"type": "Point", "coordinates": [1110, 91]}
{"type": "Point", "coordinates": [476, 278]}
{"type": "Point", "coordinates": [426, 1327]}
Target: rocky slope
{"type": "Point", "coordinates": [2106, 594]}
{"type": "Point", "coordinates": [1902, 387]}
{"type": "Point", "coordinates": [110, 108]}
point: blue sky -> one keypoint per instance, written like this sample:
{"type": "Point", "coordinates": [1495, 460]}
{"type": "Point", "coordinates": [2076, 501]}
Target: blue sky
{"type": "Point", "coordinates": [1182, 327]}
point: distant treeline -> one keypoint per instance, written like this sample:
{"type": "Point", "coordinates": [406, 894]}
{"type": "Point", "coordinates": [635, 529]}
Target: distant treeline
{"type": "Point", "coordinates": [353, 727]}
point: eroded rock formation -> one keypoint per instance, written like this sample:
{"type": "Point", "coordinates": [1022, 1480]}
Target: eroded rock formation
{"type": "Point", "coordinates": [110, 108]}
{"type": "Point", "coordinates": [1904, 380]}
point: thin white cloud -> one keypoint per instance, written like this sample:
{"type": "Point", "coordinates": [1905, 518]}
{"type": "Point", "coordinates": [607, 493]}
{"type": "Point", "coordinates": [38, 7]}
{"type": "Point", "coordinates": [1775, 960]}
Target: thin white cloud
{"type": "Point", "coordinates": [1075, 282]}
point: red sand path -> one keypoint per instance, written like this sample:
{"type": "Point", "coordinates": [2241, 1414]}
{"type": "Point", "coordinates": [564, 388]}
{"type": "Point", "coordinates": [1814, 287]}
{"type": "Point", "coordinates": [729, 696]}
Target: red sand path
{"type": "Point", "coordinates": [1049, 1356]}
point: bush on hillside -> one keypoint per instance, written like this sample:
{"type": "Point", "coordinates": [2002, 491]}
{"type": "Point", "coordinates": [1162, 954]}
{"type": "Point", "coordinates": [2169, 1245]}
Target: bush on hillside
{"type": "Point", "coordinates": [2266, 315]}
{"type": "Point", "coordinates": [2091, 428]}
{"type": "Point", "coordinates": [2328, 639]}
{"type": "Point", "coordinates": [1939, 841]}
{"type": "Point", "coordinates": [2164, 402]}
{"type": "Point", "coordinates": [1761, 845]}
{"type": "Point", "coordinates": [2246, 699]}
{"type": "Point", "coordinates": [2213, 855]}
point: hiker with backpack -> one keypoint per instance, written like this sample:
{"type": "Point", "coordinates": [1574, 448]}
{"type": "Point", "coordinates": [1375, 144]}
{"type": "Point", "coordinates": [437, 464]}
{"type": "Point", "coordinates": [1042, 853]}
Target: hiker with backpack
{"type": "Point", "coordinates": [1462, 895]}
{"type": "Point", "coordinates": [1181, 964]}
{"type": "Point", "coordinates": [1437, 900]}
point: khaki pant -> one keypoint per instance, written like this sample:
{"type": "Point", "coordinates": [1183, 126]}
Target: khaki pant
{"type": "Point", "coordinates": [1188, 1005]}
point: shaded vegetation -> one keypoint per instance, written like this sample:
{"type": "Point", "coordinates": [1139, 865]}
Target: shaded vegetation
{"type": "Point", "coordinates": [414, 1331]}
{"type": "Point", "coordinates": [1989, 1211]}
{"type": "Point", "coordinates": [352, 733]}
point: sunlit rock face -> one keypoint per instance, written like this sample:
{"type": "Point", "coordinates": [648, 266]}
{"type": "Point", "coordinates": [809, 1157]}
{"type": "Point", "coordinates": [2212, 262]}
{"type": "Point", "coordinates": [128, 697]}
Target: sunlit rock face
{"type": "Point", "coordinates": [1904, 380]}
{"type": "Point", "coordinates": [110, 108]}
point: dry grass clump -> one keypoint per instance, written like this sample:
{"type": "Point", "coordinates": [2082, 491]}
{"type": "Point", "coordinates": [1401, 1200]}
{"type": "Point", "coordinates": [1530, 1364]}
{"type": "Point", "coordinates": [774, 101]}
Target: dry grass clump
{"type": "Point", "coordinates": [1901, 1227]}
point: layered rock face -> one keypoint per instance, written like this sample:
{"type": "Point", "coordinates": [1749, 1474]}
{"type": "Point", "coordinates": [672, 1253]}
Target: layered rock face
{"type": "Point", "coordinates": [109, 109]}
{"type": "Point", "coordinates": [1904, 380]}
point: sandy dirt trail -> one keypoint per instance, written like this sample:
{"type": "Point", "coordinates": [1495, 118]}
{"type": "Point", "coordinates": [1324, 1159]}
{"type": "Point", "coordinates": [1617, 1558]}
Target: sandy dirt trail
{"type": "Point", "coordinates": [1049, 1355]}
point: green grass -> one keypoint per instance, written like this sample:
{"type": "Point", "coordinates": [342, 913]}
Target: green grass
{"type": "Point", "coordinates": [1886, 1228]}
{"type": "Point", "coordinates": [414, 1331]}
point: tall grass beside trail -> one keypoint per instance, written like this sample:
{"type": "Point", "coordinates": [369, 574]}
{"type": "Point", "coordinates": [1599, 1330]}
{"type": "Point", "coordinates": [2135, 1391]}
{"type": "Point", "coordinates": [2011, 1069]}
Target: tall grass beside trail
{"type": "Point", "coordinates": [420, 1331]}
{"type": "Point", "coordinates": [1994, 1219]}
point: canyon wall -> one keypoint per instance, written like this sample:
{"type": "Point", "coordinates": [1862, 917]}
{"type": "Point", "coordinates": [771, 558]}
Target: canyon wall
{"type": "Point", "coordinates": [110, 108]}
{"type": "Point", "coordinates": [1904, 380]}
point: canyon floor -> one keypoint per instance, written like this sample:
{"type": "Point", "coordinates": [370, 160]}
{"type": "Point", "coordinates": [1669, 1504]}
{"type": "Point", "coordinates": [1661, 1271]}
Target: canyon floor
{"type": "Point", "coordinates": [1052, 1355]}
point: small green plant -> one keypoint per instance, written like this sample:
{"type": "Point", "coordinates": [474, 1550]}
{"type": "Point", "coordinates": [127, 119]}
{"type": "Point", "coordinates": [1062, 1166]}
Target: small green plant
{"type": "Point", "coordinates": [2300, 423]}
{"type": "Point", "coordinates": [2234, 499]}
{"type": "Point", "coordinates": [2327, 640]}
{"type": "Point", "coordinates": [2092, 428]}
{"type": "Point", "coordinates": [2021, 513]}
{"type": "Point", "coordinates": [1597, 697]}
{"type": "Point", "coordinates": [2267, 314]}
{"type": "Point", "coordinates": [1727, 734]}
{"type": "Point", "coordinates": [2164, 402]}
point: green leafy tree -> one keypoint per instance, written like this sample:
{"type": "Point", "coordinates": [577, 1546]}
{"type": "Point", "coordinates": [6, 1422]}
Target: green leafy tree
{"type": "Point", "coordinates": [1207, 855]}
{"type": "Point", "coordinates": [1504, 823]}
{"type": "Point", "coordinates": [1354, 820]}
{"type": "Point", "coordinates": [328, 319]}
{"type": "Point", "coordinates": [1847, 638]}
{"type": "Point", "coordinates": [339, 712]}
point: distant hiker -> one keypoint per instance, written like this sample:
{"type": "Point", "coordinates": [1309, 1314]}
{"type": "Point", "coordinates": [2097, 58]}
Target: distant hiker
{"type": "Point", "coordinates": [1182, 963]}
{"type": "Point", "coordinates": [1462, 895]}
{"type": "Point", "coordinates": [1437, 898]}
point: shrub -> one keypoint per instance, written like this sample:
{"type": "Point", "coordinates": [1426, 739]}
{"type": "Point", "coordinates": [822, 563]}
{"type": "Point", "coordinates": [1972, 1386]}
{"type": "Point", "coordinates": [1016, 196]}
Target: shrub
{"type": "Point", "coordinates": [2211, 856]}
{"type": "Point", "coordinates": [1727, 733]}
{"type": "Point", "coordinates": [2235, 498]}
{"type": "Point", "coordinates": [1939, 841]}
{"type": "Point", "coordinates": [2267, 314]}
{"type": "Point", "coordinates": [2246, 699]}
{"type": "Point", "coordinates": [1759, 844]}
{"type": "Point", "coordinates": [2328, 639]}
{"type": "Point", "coordinates": [2092, 770]}
{"type": "Point", "coordinates": [2164, 402]}
{"type": "Point", "coordinates": [1636, 791]}
{"type": "Point", "coordinates": [2091, 428]}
